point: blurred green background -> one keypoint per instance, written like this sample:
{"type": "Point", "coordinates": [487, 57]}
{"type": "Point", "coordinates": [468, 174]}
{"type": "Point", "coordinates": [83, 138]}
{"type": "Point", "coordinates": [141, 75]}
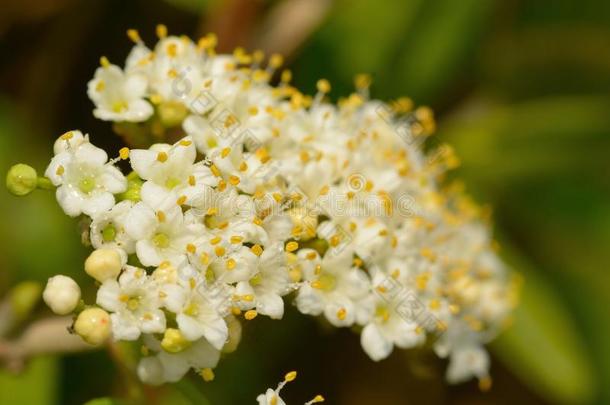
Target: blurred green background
{"type": "Point", "coordinates": [521, 89]}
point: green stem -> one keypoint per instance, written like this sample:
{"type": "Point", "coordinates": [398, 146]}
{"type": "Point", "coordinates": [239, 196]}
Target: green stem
{"type": "Point", "coordinates": [44, 183]}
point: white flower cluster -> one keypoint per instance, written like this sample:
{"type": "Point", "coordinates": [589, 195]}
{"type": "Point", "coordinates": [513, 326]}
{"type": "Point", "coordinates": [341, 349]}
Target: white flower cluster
{"type": "Point", "coordinates": [268, 192]}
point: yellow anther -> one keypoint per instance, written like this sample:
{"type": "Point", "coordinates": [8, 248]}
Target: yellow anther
{"type": "Point", "coordinates": [191, 180]}
{"type": "Point", "coordinates": [219, 250]}
{"type": "Point", "coordinates": [276, 60]}
{"type": "Point", "coordinates": [235, 311]}
{"type": "Point", "coordinates": [251, 314]}
{"type": "Point", "coordinates": [292, 246]}
{"type": "Point", "coordinates": [172, 50]}
{"type": "Point", "coordinates": [222, 185]}
{"type": "Point", "coordinates": [172, 73]}
{"type": "Point", "coordinates": [435, 304]}
{"type": "Point", "coordinates": [341, 313]}
{"type": "Point", "coordinates": [191, 248]}
{"type": "Point", "coordinates": [215, 240]}
{"type": "Point", "coordinates": [215, 170]}
{"type": "Point", "coordinates": [362, 81]}
{"type": "Point", "coordinates": [248, 297]}
{"type": "Point", "coordinates": [311, 256]}
{"type": "Point", "coordinates": [208, 42]}
{"type": "Point", "coordinates": [262, 155]}
{"type": "Point", "coordinates": [161, 216]}
{"type": "Point", "coordinates": [185, 142]}
{"type": "Point", "coordinates": [225, 152]}
{"type": "Point", "coordinates": [324, 190]}
{"type": "Point", "coordinates": [161, 31]}
{"type": "Point", "coordinates": [257, 221]}
{"type": "Point", "coordinates": [323, 86]}
{"type": "Point", "coordinates": [134, 35]}
{"type": "Point", "coordinates": [60, 170]}
{"type": "Point", "coordinates": [243, 166]}
{"type": "Point", "coordinates": [162, 157]}
{"type": "Point", "coordinates": [286, 76]}
{"type": "Point", "coordinates": [67, 136]}
{"type": "Point", "coordinates": [253, 110]}
{"type": "Point", "coordinates": [257, 250]}
{"type": "Point", "coordinates": [207, 374]}
{"type": "Point", "coordinates": [236, 239]}
{"type": "Point", "coordinates": [231, 263]}
{"type": "Point", "coordinates": [212, 211]}
{"type": "Point", "coordinates": [318, 398]}
{"type": "Point", "coordinates": [291, 376]}
{"type": "Point", "coordinates": [234, 180]}
{"type": "Point", "coordinates": [335, 240]}
{"type": "Point", "coordinates": [100, 86]}
{"type": "Point", "coordinates": [104, 62]}
{"type": "Point", "coordinates": [124, 153]}
{"type": "Point", "coordinates": [181, 200]}
{"type": "Point", "coordinates": [277, 197]}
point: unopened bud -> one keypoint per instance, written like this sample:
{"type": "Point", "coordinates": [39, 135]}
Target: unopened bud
{"type": "Point", "coordinates": [93, 325]}
{"type": "Point", "coordinates": [103, 264]}
{"type": "Point", "coordinates": [21, 179]}
{"type": "Point", "coordinates": [61, 294]}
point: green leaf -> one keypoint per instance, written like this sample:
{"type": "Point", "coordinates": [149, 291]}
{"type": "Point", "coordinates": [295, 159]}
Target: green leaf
{"type": "Point", "coordinates": [36, 385]}
{"type": "Point", "coordinates": [543, 346]}
{"type": "Point", "coordinates": [441, 40]}
{"type": "Point", "coordinates": [542, 137]}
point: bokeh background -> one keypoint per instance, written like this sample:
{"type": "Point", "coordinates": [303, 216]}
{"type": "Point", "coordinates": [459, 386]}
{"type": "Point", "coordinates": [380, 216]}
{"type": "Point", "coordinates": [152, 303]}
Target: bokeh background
{"type": "Point", "coordinates": [521, 89]}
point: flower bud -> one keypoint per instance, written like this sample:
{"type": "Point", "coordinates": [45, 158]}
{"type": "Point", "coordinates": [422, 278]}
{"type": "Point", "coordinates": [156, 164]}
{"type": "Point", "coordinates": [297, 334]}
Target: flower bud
{"type": "Point", "coordinates": [24, 297]}
{"type": "Point", "coordinates": [103, 264]}
{"type": "Point", "coordinates": [93, 325]}
{"type": "Point", "coordinates": [61, 294]}
{"type": "Point", "coordinates": [21, 179]}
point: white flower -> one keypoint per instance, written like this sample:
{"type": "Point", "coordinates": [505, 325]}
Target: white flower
{"type": "Point", "coordinates": [466, 362]}
{"type": "Point", "coordinates": [119, 96]}
{"type": "Point", "coordinates": [159, 229]}
{"type": "Point", "coordinates": [61, 294]}
{"type": "Point", "coordinates": [134, 304]}
{"type": "Point", "coordinates": [108, 229]}
{"type": "Point", "coordinates": [171, 367]}
{"type": "Point", "coordinates": [334, 287]}
{"type": "Point", "coordinates": [172, 167]}
{"type": "Point", "coordinates": [199, 308]}
{"type": "Point", "coordinates": [85, 181]}
{"type": "Point", "coordinates": [269, 282]}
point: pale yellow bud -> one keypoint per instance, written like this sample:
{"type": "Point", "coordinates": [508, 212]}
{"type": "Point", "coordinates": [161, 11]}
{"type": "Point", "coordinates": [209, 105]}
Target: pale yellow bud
{"type": "Point", "coordinates": [93, 325]}
{"type": "Point", "coordinates": [103, 264]}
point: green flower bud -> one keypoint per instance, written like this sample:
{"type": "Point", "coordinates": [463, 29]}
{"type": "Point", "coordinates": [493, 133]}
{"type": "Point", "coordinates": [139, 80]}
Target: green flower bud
{"type": "Point", "coordinates": [21, 179]}
{"type": "Point", "coordinates": [24, 297]}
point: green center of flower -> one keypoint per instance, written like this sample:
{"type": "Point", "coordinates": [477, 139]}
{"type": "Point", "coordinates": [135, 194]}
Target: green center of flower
{"type": "Point", "coordinates": [109, 233]}
{"type": "Point", "coordinates": [172, 182]}
{"type": "Point", "coordinates": [161, 240]}
{"type": "Point", "coordinates": [382, 312]}
{"type": "Point", "coordinates": [87, 185]}
{"type": "Point", "coordinates": [210, 277]}
{"type": "Point", "coordinates": [192, 309]}
{"type": "Point", "coordinates": [256, 280]}
{"type": "Point", "coordinates": [119, 106]}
